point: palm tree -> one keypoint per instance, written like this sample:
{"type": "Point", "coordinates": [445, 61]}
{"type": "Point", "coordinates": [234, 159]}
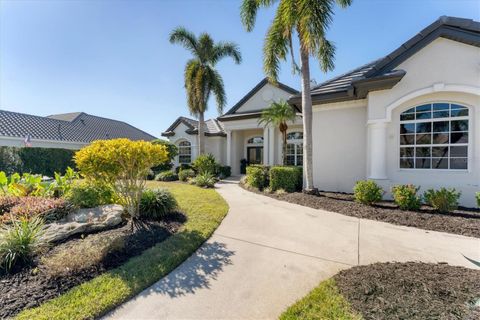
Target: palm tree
{"type": "Point", "coordinates": [278, 114]}
{"type": "Point", "coordinates": [201, 77]}
{"type": "Point", "coordinates": [308, 20]}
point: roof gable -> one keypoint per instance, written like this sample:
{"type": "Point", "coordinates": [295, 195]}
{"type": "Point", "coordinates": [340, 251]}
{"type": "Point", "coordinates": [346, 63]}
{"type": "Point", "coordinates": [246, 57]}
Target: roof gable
{"type": "Point", "coordinates": [212, 127]}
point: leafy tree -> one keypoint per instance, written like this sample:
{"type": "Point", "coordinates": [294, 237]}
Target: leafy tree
{"type": "Point", "coordinates": [201, 77]}
{"type": "Point", "coordinates": [278, 114]}
{"type": "Point", "coordinates": [172, 152]}
{"type": "Point", "coordinates": [122, 164]}
{"type": "Point", "coordinates": [308, 20]}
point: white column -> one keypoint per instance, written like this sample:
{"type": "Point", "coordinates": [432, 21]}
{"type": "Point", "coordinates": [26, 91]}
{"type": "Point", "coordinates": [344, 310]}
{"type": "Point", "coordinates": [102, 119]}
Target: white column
{"type": "Point", "coordinates": [266, 145]}
{"type": "Point", "coordinates": [377, 157]}
{"type": "Point", "coordinates": [271, 146]}
{"type": "Point", "coordinates": [229, 148]}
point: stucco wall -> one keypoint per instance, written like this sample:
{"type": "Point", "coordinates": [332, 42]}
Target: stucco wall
{"type": "Point", "coordinates": [339, 146]}
{"type": "Point", "coordinates": [263, 98]}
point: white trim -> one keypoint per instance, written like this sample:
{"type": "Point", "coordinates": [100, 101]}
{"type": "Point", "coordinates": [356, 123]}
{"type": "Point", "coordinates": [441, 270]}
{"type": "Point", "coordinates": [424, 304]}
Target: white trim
{"type": "Point", "coordinates": [437, 87]}
{"type": "Point", "coordinates": [340, 105]}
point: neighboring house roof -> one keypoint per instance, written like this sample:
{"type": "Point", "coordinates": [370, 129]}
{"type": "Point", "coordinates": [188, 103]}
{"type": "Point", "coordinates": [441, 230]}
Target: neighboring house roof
{"type": "Point", "coordinates": [212, 127]}
{"type": "Point", "coordinates": [381, 74]}
{"type": "Point", "coordinates": [77, 127]}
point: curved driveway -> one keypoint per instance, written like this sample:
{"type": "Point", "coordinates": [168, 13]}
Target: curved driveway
{"type": "Point", "coordinates": [266, 254]}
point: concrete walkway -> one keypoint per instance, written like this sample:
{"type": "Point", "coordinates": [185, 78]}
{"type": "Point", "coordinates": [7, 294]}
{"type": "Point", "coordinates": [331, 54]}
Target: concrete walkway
{"type": "Point", "coordinates": [266, 254]}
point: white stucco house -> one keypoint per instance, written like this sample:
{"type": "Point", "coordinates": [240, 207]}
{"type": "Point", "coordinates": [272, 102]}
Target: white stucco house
{"type": "Point", "coordinates": [412, 116]}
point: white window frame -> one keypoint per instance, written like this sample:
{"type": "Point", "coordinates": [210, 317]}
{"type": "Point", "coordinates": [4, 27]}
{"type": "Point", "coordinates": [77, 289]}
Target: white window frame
{"type": "Point", "coordinates": [180, 147]}
{"type": "Point", "coordinates": [298, 144]}
{"type": "Point", "coordinates": [432, 120]}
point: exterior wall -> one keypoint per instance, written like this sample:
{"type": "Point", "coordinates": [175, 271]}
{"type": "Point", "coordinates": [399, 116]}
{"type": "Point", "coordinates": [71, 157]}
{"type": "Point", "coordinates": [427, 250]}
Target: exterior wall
{"type": "Point", "coordinates": [263, 98]}
{"type": "Point", "coordinates": [19, 142]}
{"type": "Point", "coordinates": [339, 145]}
{"type": "Point", "coordinates": [443, 71]}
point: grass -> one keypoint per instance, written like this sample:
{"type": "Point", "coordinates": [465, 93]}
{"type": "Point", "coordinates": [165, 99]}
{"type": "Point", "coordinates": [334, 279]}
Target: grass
{"type": "Point", "coordinates": [323, 303]}
{"type": "Point", "coordinates": [205, 209]}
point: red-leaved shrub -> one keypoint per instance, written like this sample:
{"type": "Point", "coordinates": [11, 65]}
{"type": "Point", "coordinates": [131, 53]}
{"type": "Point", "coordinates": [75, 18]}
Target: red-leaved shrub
{"type": "Point", "coordinates": [50, 209]}
{"type": "Point", "coordinates": [7, 203]}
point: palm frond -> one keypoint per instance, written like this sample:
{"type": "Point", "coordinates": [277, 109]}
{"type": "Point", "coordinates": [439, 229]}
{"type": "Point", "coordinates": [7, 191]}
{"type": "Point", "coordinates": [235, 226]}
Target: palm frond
{"type": "Point", "coordinates": [326, 55]}
{"type": "Point", "coordinates": [248, 11]}
{"type": "Point", "coordinates": [278, 113]}
{"type": "Point", "coordinates": [275, 48]}
{"type": "Point", "coordinates": [226, 49]}
{"type": "Point", "coordinates": [218, 89]}
{"type": "Point", "coordinates": [187, 39]}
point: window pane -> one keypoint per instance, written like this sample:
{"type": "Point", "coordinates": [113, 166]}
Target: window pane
{"type": "Point", "coordinates": [459, 111]}
{"type": "Point", "coordinates": [299, 149]}
{"type": "Point", "coordinates": [440, 114]}
{"type": "Point", "coordinates": [290, 149]}
{"type": "Point", "coordinates": [295, 136]}
{"type": "Point", "coordinates": [425, 107]}
{"type": "Point", "coordinates": [290, 160]}
{"type": "Point", "coordinates": [459, 137]}
{"type": "Point", "coordinates": [407, 139]}
{"type": "Point", "coordinates": [299, 160]}
{"type": "Point", "coordinates": [424, 115]}
{"type": "Point", "coordinates": [458, 163]}
{"type": "Point", "coordinates": [460, 151]}
{"type": "Point", "coordinates": [440, 152]}
{"type": "Point", "coordinates": [424, 127]}
{"type": "Point", "coordinates": [407, 128]}
{"type": "Point", "coordinates": [406, 152]}
{"type": "Point", "coordinates": [423, 138]}
{"type": "Point", "coordinates": [440, 106]}
{"type": "Point", "coordinates": [255, 140]}
{"type": "Point", "coordinates": [439, 163]}
{"type": "Point", "coordinates": [411, 110]}
{"type": "Point", "coordinates": [423, 163]}
{"type": "Point", "coordinates": [407, 116]}
{"type": "Point", "coordinates": [460, 125]}
{"type": "Point", "coordinates": [441, 126]}
{"type": "Point", "coordinates": [423, 152]}
{"type": "Point", "coordinates": [406, 163]}
{"type": "Point", "coordinates": [440, 138]}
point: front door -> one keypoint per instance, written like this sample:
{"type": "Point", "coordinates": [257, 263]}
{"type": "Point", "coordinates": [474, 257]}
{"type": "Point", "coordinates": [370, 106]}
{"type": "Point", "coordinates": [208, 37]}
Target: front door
{"type": "Point", "coordinates": [255, 155]}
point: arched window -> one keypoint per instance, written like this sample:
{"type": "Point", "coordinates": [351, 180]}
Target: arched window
{"type": "Point", "coordinates": [184, 152]}
{"type": "Point", "coordinates": [294, 151]}
{"type": "Point", "coordinates": [255, 140]}
{"type": "Point", "coordinates": [434, 136]}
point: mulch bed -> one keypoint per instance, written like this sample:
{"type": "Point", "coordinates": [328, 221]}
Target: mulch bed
{"type": "Point", "coordinates": [30, 287]}
{"type": "Point", "coordinates": [411, 291]}
{"type": "Point", "coordinates": [463, 221]}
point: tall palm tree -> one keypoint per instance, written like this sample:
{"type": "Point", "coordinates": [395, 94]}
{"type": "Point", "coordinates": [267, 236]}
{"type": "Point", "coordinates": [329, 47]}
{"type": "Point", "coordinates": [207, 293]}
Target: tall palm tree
{"type": "Point", "coordinates": [201, 77]}
{"type": "Point", "coordinates": [308, 20]}
{"type": "Point", "coordinates": [278, 114]}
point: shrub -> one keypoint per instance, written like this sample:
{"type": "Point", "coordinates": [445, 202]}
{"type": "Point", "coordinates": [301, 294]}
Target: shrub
{"type": "Point", "coordinates": [7, 203]}
{"type": "Point", "coordinates": [224, 172]}
{"type": "Point", "coordinates": [287, 178]}
{"type": "Point", "coordinates": [205, 163]}
{"type": "Point", "coordinates": [183, 166]}
{"type": "Point", "coordinates": [172, 152]}
{"type": "Point", "coordinates": [19, 241]}
{"type": "Point", "coordinates": [206, 180]}
{"type": "Point", "coordinates": [50, 209]}
{"type": "Point", "coordinates": [367, 192]}
{"type": "Point", "coordinates": [90, 195]}
{"type": "Point", "coordinates": [122, 164]}
{"type": "Point", "coordinates": [157, 204]}
{"type": "Point", "coordinates": [89, 252]}
{"type": "Point", "coordinates": [184, 175]}
{"type": "Point", "coordinates": [257, 176]}
{"type": "Point", "coordinates": [478, 199]}
{"type": "Point", "coordinates": [169, 175]}
{"type": "Point", "coordinates": [443, 200]}
{"type": "Point", "coordinates": [405, 196]}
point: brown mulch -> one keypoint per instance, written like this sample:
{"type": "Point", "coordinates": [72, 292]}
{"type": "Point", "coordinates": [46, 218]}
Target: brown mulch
{"type": "Point", "coordinates": [32, 286]}
{"type": "Point", "coordinates": [463, 221]}
{"type": "Point", "coordinates": [411, 290]}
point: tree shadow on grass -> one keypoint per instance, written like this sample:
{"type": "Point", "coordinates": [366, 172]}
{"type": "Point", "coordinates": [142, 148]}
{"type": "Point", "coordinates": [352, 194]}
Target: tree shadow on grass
{"type": "Point", "coordinates": [197, 272]}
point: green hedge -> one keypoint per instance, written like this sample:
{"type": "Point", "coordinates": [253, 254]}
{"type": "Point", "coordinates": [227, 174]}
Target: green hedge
{"type": "Point", "coordinates": [44, 161]}
{"type": "Point", "coordinates": [257, 176]}
{"type": "Point", "coordinates": [287, 178]}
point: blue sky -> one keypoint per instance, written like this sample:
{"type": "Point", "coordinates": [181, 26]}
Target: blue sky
{"type": "Point", "coordinates": [112, 58]}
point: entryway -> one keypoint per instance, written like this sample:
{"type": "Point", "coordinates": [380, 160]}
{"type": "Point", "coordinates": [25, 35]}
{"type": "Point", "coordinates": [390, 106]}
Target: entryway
{"type": "Point", "coordinates": [255, 155]}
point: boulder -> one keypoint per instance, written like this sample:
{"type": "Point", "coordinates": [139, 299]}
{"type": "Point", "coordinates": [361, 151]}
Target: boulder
{"type": "Point", "coordinates": [84, 221]}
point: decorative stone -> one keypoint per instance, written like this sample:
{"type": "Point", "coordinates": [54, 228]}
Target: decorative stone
{"type": "Point", "coordinates": [84, 221]}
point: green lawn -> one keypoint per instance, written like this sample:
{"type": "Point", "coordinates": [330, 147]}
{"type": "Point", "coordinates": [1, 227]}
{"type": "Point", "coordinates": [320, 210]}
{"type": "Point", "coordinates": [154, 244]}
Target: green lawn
{"type": "Point", "coordinates": [205, 210]}
{"type": "Point", "coordinates": [322, 303]}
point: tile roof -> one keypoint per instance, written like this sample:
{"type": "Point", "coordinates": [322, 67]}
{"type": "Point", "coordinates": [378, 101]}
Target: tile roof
{"type": "Point", "coordinates": [381, 74]}
{"type": "Point", "coordinates": [69, 127]}
{"type": "Point", "coordinates": [212, 127]}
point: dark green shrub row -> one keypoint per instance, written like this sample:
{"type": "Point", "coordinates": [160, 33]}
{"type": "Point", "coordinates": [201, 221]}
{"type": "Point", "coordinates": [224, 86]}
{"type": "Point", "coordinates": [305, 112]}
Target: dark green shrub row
{"type": "Point", "coordinates": [44, 161]}
{"type": "Point", "coordinates": [184, 175]}
{"type": "Point", "coordinates": [169, 175]}
{"type": "Point", "coordinates": [288, 178]}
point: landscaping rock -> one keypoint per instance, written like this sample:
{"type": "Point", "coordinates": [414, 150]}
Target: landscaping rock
{"type": "Point", "coordinates": [84, 221]}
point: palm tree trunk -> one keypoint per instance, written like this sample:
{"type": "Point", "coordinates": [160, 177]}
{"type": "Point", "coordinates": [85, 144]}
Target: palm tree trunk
{"type": "Point", "coordinates": [201, 135]}
{"type": "Point", "coordinates": [307, 122]}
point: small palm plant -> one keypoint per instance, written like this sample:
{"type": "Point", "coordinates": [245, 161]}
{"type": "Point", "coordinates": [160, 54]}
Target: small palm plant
{"type": "Point", "coordinates": [201, 77]}
{"type": "Point", "coordinates": [278, 114]}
